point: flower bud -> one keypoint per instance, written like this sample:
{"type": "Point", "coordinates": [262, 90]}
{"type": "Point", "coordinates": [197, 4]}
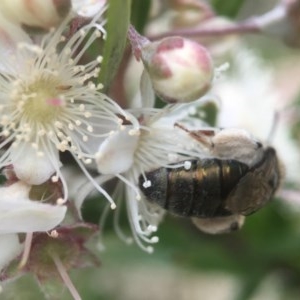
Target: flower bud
{"type": "Point", "coordinates": [40, 14]}
{"type": "Point", "coordinates": [188, 13]}
{"type": "Point", "coordinates": [181, 70]}
{"type": "Point", "coordinates": [88, 8]}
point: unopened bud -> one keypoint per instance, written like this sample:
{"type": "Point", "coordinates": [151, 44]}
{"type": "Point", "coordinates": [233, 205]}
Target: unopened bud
{"type": "Point", "coordinates": [180, 70]}
{"type": "Point", "coordinates": [37, 14]}
{"type": "Point", "coordinates": [88, 8]}
{"type": "Point", "coordinates": [188, 13]}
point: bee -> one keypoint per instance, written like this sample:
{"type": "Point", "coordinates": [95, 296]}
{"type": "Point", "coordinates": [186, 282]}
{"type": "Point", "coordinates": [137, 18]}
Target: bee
{"type": "Point", "coordinates": [238, 177]}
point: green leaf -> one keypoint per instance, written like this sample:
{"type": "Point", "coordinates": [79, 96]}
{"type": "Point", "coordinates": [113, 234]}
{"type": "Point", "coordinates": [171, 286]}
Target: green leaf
{"type": "Point", "coordinates": [140, 12]}
{"type": "Point", "coordinates": [228, 8]}
{"type": "Point", "coordinates": [118, 16]}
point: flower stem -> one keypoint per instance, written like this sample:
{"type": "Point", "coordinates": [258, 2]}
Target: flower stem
{"type": "Point", "coordinates": [26, 252]}
{"type": "Point", "coordinates": [137, 41]}
{"type": "Point", "coordinates": [246, 27]}
{"type": "Point", "coordinates": [65, 277]}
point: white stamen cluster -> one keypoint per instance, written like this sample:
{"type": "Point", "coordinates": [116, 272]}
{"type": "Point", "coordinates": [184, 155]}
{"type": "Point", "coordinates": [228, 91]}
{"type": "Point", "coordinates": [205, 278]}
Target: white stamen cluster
{"type": "Point", "coordinates": [49, 102]}
{"type": "Point", "coordinates": [156, 144]}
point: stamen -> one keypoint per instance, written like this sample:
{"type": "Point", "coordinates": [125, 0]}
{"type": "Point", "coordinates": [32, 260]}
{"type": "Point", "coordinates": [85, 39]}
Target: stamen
{"type": "Point", "coordinates": [26, 252]}
{"type": "Point", "coordinates": [65, 277]}
{"type": "Point", "coordinates": [54, 234]}
{"type": "Point", "coordinates": [147, 184]}
{"type": "Point", "coordinates": [61, 201]}
{"type": "Point", "coordinates": [98, 187]}
{"type": "Point", "coordinates": [131, 185]}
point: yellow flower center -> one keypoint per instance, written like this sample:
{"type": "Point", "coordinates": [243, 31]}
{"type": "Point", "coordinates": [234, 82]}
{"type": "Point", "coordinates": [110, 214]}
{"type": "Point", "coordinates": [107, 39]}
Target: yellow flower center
{"type": "Point", "coordinates": [41, 101]}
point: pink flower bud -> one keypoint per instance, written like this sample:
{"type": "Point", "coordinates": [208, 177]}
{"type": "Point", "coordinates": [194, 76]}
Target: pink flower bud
{"type": "Point", "coordinates": [180, 70]}
{"type": "Point", "coordinates": [189, 13]}
{"type": "Point", "coordinates": [40, 14]}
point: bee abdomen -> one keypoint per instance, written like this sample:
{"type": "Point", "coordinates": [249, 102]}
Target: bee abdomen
{"type": "Point", "coordinates": [197, 192]}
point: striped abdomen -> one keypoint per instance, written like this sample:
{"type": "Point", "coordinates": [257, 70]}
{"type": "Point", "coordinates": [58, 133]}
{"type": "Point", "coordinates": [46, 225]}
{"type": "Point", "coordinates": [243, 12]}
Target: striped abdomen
{"type": "Point", "coordinates": [200, 191]}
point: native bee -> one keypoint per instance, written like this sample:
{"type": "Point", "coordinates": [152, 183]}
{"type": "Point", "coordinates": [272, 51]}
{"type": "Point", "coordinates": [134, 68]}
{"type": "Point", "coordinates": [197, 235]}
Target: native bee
{"type": "Point", "coordinates": [237, 178]}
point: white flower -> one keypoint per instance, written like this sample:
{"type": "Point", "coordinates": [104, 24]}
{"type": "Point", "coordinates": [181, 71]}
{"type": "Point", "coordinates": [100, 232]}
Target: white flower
{"type": "Point", "coordinates": [48, 102]}
{"type": "Point", "coordinates": [35, 13]}
{"type": "Point", "coordinates": [45, 14]}
{"type": "Point", "coordinates": [20, 214]}
{"type": "Point", "coordinates": [129, 153]}
{"type": "Point", "coordinates": [10, 248]}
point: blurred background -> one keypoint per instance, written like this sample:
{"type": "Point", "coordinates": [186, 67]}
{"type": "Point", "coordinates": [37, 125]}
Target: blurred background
{"type": "Point", "coordinates": [261, 261]}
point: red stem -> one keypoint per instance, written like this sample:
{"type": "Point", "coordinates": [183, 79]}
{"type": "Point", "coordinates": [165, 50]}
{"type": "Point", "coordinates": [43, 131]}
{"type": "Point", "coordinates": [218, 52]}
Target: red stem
{"type": "Point", "coordinates": [241, 28]}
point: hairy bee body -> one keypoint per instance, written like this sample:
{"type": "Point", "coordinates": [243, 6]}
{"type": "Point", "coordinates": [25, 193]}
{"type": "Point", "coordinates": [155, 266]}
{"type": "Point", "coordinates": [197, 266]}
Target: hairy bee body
{"type": "Point", "coordinates": [214, 187]}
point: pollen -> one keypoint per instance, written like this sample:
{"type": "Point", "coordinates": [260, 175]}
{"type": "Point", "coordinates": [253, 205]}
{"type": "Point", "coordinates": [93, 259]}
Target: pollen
{"type": "Point", "coordinates": [49, 104]}
{"type": "Point", "coordinates": [39, 101]}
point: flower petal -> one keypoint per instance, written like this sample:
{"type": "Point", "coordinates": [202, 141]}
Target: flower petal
{"type": "Point", "coordinates": [10, 36]}
{"type": "Point", "coordinates": [31, 167]}
{"type": "Point", "coordinates": [35, 13]}
{"type": "Point", "coordinates": [10, 248]}
{"type": "Point", "coordinates": [147, 92]}
{"type": "Point", "coordinates": [15, 191]}
{"type": "Point", "coordinates": [22, 215]}
{"type": "Point", "coordinates": [116, 153]}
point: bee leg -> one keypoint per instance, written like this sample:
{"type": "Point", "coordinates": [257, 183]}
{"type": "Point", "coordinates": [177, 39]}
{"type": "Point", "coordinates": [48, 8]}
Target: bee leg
{"type": "Point", "coordinates": [218, 225]}
{"type": "Point", "coordinates": [202, 136]}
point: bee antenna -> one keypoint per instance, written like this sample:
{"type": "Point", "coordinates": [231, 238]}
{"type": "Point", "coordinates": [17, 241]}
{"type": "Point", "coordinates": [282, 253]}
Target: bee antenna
{"type": "Point", "coordinates": [273, 126]}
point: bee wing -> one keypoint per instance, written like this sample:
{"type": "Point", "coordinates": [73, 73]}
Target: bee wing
{"type": "Point", "coordinates": [257, 187]}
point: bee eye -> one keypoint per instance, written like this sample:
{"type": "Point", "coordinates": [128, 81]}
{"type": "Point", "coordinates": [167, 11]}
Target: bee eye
{"type": "Point", "coordinates": [273, 182]}
{"type": "Point", "coordinates": [259, 144]}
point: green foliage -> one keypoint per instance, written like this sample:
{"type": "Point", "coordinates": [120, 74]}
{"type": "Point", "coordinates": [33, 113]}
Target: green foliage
{"type": "Point", "coordinates": [139, 14]}
{"type": "Point", "coordinates": [118, 16]}
{"type": "Point", "coordinates": [228, 8]}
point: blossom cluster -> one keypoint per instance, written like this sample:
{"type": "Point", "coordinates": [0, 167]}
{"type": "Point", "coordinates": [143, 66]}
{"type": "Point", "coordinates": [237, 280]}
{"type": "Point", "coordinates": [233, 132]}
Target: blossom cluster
{"type": "Point", "coordinates": [51, 103]}
{"type": "Point", "coordinates": [54, 115]}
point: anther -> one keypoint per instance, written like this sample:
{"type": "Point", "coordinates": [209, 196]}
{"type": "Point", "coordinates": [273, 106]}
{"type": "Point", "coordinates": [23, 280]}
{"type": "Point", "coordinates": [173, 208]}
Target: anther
{"type": "Point", "coordinates": [146, 184]}
{"type": "Point", "coordinates": [60, 201]}
{"type": "Point", "coordinates": [187, 165]}
{"type": "Point", "coordinates": [154, 239]}
{"type": "Point", "coordinates": [54, 178]}
{"type": "Point", "coordinates": [54, 234]}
